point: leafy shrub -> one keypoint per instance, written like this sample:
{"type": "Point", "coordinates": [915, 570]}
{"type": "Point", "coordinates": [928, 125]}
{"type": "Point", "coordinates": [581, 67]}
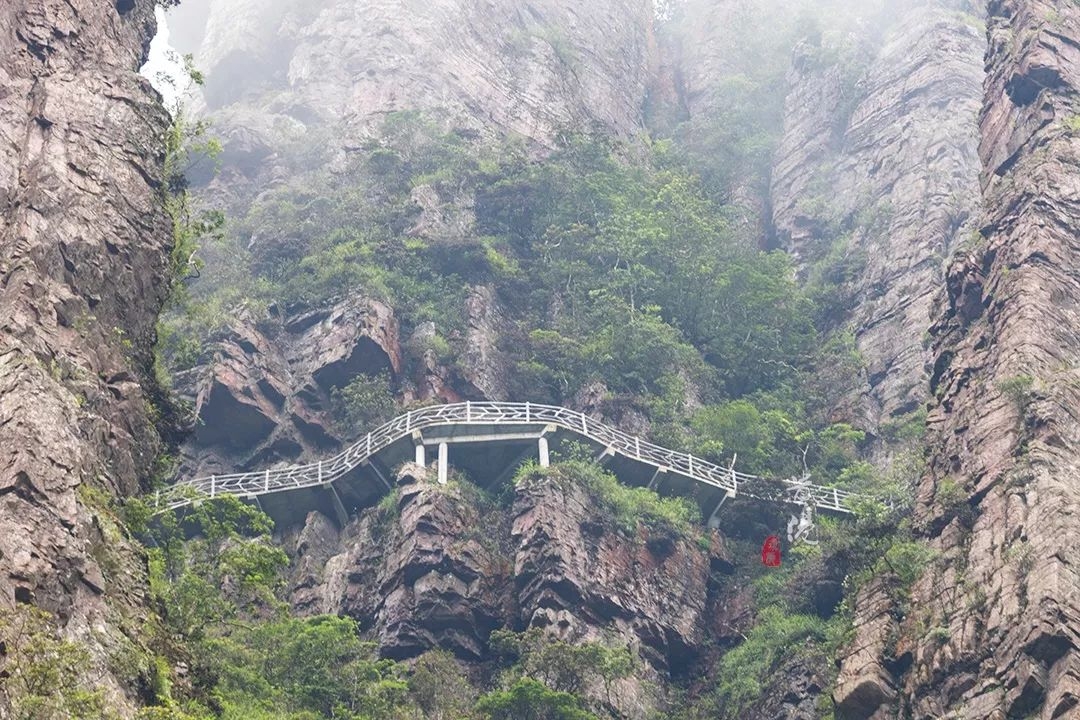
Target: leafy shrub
{"type": "Point", "coordinates": [1018, 389]}
{"type": "Point", "coordinates": [439, 687]}
{"type": "Point", "coordinates": [364, 402]}
{"type": "Point", "coordinates": [626, 507]}
{"type": "Point", "coordinates": [311, 665]}
{"type": "Point", "coordinates": [44, 676]}
{"type": "Point", "coordinates": [529, 699]}
{"type": "Point", "coordinates": [562, 670]}
{"type": "Point", "coordinates": [775, 635]}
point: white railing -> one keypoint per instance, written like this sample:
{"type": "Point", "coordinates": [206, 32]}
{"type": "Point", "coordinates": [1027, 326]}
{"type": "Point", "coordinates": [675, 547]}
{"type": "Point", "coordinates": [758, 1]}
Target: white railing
{"type": "Point", "coordinates": [324, 472]}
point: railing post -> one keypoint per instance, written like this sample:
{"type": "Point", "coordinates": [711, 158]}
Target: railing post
{"type": "Point", "coordinates": [408, 421]}
{"type": "Point", "coordinates": [369, 444]}
{"type": "Point", "coordinates": [527, 412]}
{"type": "Point", "coordinates": [584, 430]}
{"type": "Point", "coordinates": [690, 461]}
{"type": "Point", "coordinates": [836, 498]}
{"type": "Point", "coordinates": [157, 499]}
{"type": "Point", "coordinates": [213, 481]}
{"type": "Point", "coordinates": [266, 481]}
{"type": "Point", "coordinates": [637, 447]}
{"type": "Point", "coordinates": [468, 411]}
{"type": "Point", "coordinates": [320, 472]}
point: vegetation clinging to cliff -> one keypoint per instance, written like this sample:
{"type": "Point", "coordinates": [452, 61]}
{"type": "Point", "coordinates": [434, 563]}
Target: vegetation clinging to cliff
{"type": "Point", "coordinates": [217, 581]}
{"type": "Point", "coordinates": [611, 263]}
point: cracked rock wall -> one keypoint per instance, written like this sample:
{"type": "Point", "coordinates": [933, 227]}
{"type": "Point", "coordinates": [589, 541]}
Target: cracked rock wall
{"type": "Point", "coordinates": [878, 168]}
{"type": "Point", "coordinates": [993, 628]}
{"type": "Point", "coordinates": [83, 244]}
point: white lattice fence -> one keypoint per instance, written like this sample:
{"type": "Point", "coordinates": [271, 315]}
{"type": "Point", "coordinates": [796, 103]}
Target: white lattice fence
{"type": "Point", "coordinates": [503, 414]}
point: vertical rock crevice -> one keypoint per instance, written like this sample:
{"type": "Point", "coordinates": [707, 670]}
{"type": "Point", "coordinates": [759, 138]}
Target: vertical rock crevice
{"type": "Point", "coordinates": [877, 171]}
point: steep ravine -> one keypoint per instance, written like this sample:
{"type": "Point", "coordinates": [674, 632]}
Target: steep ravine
{"type": "Point", "coordinates": [877, 171]}
{"type": "Point", "coordinates": [83, 248]}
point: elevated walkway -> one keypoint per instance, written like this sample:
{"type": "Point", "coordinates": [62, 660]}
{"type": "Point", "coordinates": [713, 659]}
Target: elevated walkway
{"type": "Point", "coordinates": [490, 440]}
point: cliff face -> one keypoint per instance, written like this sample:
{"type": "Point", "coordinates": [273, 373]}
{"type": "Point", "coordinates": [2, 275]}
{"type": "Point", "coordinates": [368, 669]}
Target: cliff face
{"type": "Point", "coordinates": [993, 630]}
{"type": "Point", "coordinates": [83, 243]}
{"type": "Point", "coordinates": [443, 568]}
{"type": "Point", "coordinates": [264, 397]}
{"type": "Point", "coordinates": [878, 171]}
{"type": "Point", "coordinates": [286, 71]}
{"type": "Point", "coordinates": [999, 500]}
{"type": "Point", "coordinates": [263, 394]}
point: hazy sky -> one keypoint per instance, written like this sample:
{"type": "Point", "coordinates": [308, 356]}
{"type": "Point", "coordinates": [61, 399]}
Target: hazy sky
{"type": "Point", "coordinates": [164, 67]}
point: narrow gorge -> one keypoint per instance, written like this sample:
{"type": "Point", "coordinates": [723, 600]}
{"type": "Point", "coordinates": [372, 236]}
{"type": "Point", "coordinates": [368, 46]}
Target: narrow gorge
{"type": "Point", "coordinates": [817, 241]}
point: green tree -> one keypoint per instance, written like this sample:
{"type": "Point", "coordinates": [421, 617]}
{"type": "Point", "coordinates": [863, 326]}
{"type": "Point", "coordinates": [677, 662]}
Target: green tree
{"type": "Point", "coordinates": [439, 687]}
{"type": "Point", "coordinates": [315, 665]}
{"type": "Point", "coordinates": [364, 402]}
{"type": "Point", "coordinates": [45, 677]}
{"type": "Point", "coordinates": [529, 699]}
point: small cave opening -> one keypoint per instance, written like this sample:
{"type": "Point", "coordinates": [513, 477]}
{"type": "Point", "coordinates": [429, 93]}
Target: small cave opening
{"type": "Point", "coordinates": [125, 6]}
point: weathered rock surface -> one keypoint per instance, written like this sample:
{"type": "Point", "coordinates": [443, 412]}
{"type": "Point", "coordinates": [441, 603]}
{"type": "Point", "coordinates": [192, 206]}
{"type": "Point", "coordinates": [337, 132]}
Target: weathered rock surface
{"type": "Point", "coordinates": [419, 575]}
{"type": "Point", "coordinates": [878, 166]}
{"type": "Point", "coordinates": [1000, 500]}
{"type": "Point", "coordinates": [264, 397]}
{"type": "Point", "coordinates": [865, 684]}
{"type": "Point", "coordinates": [444, 569]}
{"type": "Point", "coordinates": [579, 578]}
{"type": "Point", "coordinates": [993, 628]}
{"type": "Point", "coordinates": [83, 246]}
{"type": "Point", "coordinates": [792, 690]}
{"type": "Point", "coordinates": [283, 69]}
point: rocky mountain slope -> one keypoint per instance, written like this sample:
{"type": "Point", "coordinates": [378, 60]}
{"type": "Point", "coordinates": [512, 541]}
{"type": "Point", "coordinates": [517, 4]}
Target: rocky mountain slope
{"type": "Point", "coordinates": [999, 501]}
{"type": "Point", "coordinates": [83, 247]}
{"type": "Point", "coordinates": [989, 631]}
{"type": "Point", "coordinates": [920, 167]}
{"type": "Point", "coordinates": [874, 177]}
{"type": "Point", "coordinates": [445, 568]}
{"type": "Point", "coordinates": [281, 73]}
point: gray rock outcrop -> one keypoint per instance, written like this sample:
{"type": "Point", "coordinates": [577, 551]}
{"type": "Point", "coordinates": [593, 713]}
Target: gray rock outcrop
{"type": "Point", "coordinates": [878, 168]}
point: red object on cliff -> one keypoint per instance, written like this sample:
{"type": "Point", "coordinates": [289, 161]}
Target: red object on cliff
{"type": "Point", "coordinates": [770, 551]}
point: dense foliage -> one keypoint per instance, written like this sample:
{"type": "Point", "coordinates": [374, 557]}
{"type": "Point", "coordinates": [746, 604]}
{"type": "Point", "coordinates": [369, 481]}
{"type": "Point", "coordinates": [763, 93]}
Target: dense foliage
{"type": "Point", "coordinates": [216, 578]}
{"type": "Point", "coordinates": [612, 263]}
{"type": "Point", "coordinates": [624, 269]}
{"type": "Point", "coordinates": [629, 509]}
{"type": "Point", "coordinates": [43, 674]}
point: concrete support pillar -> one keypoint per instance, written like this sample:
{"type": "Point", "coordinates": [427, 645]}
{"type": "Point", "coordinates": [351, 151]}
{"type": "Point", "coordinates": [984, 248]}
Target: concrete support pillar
{"type": "Point", "coordinates": [420, 457]}
{"type": "Point", "coordinates": [545, 456]}
{"type": "Point", "coordinates": [339, 506]}
{"type": "Point", "coordinates": [444, 451]}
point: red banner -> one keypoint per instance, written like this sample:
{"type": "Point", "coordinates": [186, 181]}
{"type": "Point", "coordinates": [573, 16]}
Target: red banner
{"type": "Point", "coordinates": [770, 551]}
